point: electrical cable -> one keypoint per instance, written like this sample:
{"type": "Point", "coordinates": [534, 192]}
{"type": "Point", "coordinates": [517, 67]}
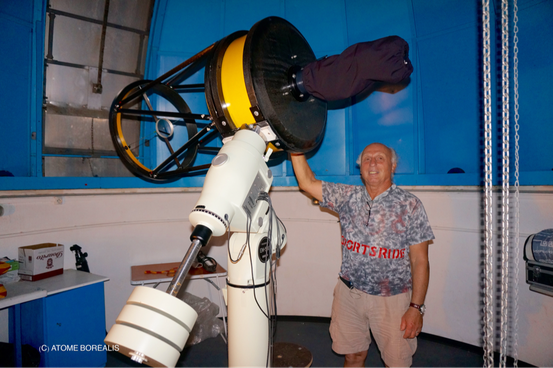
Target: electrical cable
{"type": "Point", "coordinates": [241, 252]}
{"type": "Point", "coordinates": [248, 230]}
{"type": "Point", "coordinates": [270, 265]}
{"type": "Point", "coordinates": [273, 218]}
{"type": "Point", "coordinates": [268, 255]}
{"type": "Point", "coordinates": [267, 315]}
{"type": "Point", "coordinates": [228, 241]}
{"type": "Point", "coordinates": [280, 238]}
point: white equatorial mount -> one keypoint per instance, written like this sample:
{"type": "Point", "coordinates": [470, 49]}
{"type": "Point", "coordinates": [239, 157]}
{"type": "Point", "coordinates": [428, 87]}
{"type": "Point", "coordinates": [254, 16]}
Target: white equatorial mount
{"type": "Point", "coordinates": [153, 326]}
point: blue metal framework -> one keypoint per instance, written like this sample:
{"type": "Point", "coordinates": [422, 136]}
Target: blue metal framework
{"type": "Point", "coordinates": [435, 124]}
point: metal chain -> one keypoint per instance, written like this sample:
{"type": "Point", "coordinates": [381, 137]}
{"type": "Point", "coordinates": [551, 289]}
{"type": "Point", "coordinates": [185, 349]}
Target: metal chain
{"type": "Point", "coordinates": [488, 263]}
{"type": "Point", "coordinates": [516, 250]}
{"type": "Point", "coordinates": [505, 185]}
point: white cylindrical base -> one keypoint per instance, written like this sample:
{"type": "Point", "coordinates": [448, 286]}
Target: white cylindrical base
{"type": "Point", "coordinates": [248, 322]}
{"type": "Point", "coordinates": [248, 328]}
{"type": "Point", "coordinates": [152, 327]}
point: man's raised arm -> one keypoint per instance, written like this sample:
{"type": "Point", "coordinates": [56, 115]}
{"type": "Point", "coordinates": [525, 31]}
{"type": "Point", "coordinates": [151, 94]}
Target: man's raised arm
{"type": "Point", "coordinates": [306, 179]}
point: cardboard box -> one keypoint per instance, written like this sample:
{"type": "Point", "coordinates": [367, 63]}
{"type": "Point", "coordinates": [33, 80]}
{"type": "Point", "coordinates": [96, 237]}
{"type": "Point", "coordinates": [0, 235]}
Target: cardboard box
{"type": "Point", "coordinates": [39, 261]}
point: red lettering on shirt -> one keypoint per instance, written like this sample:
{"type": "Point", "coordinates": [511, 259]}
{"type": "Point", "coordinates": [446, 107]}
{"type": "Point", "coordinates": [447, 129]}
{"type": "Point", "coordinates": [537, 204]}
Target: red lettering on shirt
{"type": "Point", "coordinates": [349, 244]}
{"type": "Point", "coordinates": [373, 251]}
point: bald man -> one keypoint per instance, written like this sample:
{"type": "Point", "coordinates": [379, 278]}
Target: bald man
{"type": "Point", "coordinates": [384, 274]}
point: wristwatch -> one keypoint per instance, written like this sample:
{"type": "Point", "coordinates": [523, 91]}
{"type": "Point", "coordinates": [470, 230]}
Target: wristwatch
{"type": "Point", "coordinates": [420, 307]}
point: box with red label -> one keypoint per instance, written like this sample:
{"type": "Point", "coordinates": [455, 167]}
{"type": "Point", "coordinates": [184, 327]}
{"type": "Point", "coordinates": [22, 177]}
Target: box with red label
{"type": "Point", "coordinates": [39, 261]}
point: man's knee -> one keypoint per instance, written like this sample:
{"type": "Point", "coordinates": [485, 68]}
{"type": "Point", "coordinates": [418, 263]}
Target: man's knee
{"type": "Point", "coordinates": [356, 359]}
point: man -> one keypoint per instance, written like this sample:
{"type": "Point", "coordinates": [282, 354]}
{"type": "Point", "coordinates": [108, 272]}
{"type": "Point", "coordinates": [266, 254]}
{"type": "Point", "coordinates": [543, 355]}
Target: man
{"type": "Point", "coordinates": [385, 271]}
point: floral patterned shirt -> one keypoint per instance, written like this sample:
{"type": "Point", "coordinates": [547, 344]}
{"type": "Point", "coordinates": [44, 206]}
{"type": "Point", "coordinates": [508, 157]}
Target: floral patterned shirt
{"type": "Point", "coordinates": [376, 235]}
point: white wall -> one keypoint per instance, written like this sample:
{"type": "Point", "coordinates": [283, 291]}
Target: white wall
{"type": "Point", "coordinates": [120, 228]}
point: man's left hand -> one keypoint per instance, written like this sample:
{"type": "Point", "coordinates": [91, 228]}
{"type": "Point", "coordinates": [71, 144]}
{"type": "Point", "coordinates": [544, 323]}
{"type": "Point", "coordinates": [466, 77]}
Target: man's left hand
{"type": "Point", "coordinates": [411, 323]}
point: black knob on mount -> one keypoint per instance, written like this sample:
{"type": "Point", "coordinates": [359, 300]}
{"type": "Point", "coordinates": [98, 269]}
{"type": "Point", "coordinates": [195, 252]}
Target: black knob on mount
{"type": "Point", "coordinates": [201, 233]}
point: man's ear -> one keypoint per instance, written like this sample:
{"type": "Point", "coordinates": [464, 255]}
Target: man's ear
{"type": "Point", "coordinates": [394, 168]}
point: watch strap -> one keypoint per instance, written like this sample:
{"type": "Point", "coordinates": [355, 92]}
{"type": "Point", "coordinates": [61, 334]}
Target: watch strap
{"type": "Point", "coordinates": [420, 307]}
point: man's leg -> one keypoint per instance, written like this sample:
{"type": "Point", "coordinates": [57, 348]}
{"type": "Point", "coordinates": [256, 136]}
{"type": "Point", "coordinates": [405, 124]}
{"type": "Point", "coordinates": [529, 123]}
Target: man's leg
{"type": "Point", "coordinates": [385, 323]}
{"type": "Point", "coordinates": [349, 327]}
{"type": "Point", "coordinates": [356, 359]}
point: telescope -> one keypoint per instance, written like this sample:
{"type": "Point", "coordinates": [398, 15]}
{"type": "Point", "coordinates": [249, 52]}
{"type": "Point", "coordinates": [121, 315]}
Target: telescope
{"type": "Point", "coordinates": [265, 92]}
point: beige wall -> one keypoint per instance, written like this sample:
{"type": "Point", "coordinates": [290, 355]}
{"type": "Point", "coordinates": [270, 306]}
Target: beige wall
{"type": "Point", "coordinates": [120, 228]}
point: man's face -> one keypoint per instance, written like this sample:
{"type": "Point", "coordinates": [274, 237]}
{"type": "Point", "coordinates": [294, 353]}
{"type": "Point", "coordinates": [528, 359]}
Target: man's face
{"type": "Point", "coordinates": [376, 165]}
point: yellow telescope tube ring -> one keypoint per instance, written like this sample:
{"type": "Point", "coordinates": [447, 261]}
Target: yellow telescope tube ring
{"type": "Point", "coordinates": [235, 95]}
{"type": "Point", "coordinates": [124, 142]}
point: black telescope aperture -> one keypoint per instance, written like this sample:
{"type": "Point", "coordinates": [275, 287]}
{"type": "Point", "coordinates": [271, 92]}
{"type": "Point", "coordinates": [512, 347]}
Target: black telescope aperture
{"type": "Point", "coordinates": [274, 46]}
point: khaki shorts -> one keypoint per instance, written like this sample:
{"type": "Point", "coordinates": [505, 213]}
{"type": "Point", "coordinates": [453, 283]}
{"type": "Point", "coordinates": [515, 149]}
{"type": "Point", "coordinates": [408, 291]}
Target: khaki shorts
{"type": "Point", "coordinates": [355, 312]}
